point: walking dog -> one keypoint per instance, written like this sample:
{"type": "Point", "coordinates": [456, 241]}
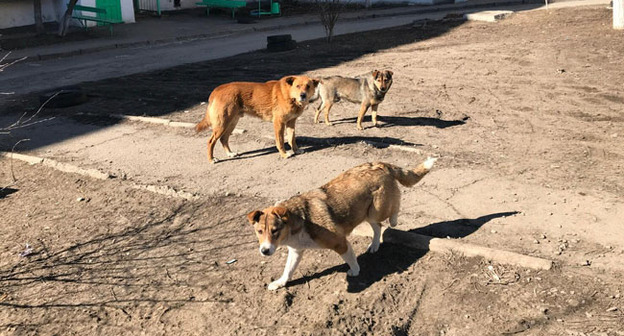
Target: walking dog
{"type": "Point", "coordinates": [324, 217]}
{"type": "Point", "coordinates": [281, 102]}
{"type": "Point", "coordinates": [369, 91]}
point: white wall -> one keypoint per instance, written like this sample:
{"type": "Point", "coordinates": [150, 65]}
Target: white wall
{"type": "Point", "coordinates": [20, 13]}
{"type": "Point", "coordinates": [127, 11]}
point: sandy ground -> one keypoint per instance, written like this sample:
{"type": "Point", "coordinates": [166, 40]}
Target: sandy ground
{"type": "Point", "coordinates": [525, 116]}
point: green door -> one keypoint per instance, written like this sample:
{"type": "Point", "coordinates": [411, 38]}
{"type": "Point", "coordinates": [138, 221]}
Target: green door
{"type": "Point", "coordinates": [113, 8]}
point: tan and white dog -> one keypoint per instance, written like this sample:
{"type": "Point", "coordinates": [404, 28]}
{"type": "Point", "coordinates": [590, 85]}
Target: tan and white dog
{"type": "Point", "coordinates": [324, 217]}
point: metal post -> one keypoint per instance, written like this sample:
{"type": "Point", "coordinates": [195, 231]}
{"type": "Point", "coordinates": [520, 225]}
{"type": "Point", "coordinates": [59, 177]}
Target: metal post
{"type": "Point", "coordinates": [618, 14]}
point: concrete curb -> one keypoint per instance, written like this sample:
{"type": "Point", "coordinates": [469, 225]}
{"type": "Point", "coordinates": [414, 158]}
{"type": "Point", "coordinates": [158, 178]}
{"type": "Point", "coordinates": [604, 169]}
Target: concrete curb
{"type": "Point", "coordinates": [152, 120]}
{"type": "Point", "coordinates": [422, 242]}
{"type": "Point", "coordinates": [98, 175]}
{"type": "Point", "coordinates": [433, 9]}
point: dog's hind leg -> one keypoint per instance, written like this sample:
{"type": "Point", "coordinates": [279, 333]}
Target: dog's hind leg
{"type": "Point", "coordinates": [217, 132]}
{"type": "Point", "coordinates": [225, 138]}
{"type": "Point", "coordinates": [374, 245]}
{"type": "Point", "coordinates": [294, 257]}
{"type": "Point", "coordinates": [350, 259]}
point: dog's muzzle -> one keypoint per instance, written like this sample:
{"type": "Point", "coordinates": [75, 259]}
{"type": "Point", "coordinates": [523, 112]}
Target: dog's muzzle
{"type": "Point", "coordinates": [267, 249]}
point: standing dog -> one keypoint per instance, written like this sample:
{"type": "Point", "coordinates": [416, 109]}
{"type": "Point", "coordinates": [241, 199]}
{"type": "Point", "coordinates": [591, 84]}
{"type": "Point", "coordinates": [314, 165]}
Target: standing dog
{"type": "Point", "coordinates": [369, 91]}
{"type": "Point", "coordinates": [281, 102]}
{"type": "Point", "coordinates": [324, 217]}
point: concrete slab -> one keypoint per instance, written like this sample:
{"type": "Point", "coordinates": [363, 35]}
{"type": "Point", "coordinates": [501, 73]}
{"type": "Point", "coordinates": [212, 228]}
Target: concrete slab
{"type": "Point", "coordinates": [488, 16]}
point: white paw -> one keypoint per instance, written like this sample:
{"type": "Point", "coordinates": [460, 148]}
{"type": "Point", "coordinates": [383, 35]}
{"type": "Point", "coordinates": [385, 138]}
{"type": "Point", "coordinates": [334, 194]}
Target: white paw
{"type": "Point", "coordinates": [298, 151]}
{"type": "Point", "coordinates": [353, 272]}
{"type": "Point", "coordinates": [232, 154]}
{"type": "Point", "coordinates": [276, 284]}
{"type": "Point", "coordinates": [428, 164]}
{"type": "Point", "coordinates": [215, 160]}
{"type": "Point", "coordinates": [372, 248]}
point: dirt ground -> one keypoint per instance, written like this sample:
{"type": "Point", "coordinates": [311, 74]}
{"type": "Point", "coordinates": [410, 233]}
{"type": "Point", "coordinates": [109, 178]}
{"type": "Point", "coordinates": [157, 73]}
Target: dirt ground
{"type": "Point", "coordinates": [525, 116]}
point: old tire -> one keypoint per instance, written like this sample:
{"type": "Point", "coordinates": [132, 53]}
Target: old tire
{"type": "Point", "coordinates": [65, 97]}
{"type": "Point", "coordinates": [279, 38]}
{"type": "Point", "coordinates": [282, 46]}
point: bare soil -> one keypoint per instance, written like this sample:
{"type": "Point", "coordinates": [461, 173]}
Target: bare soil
{"type": "Point", "coordinates": [525, 115]}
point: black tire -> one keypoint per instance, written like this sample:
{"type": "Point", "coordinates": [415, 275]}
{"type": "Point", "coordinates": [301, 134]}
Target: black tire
{"type": "Point", "coordinates": [279, 38]}
{"type": "Point", "coordinates": [65, 98]}
{"type": "Point", "coordinates": [282, 46]}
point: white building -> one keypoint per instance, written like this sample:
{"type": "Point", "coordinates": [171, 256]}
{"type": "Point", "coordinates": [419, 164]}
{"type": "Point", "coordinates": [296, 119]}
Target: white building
{"type": "Point", "coordinates": [18, 13]}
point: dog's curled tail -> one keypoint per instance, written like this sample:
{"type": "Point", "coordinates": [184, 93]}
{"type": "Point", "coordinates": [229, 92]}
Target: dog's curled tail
{"type": "Point", "coordinates": [410, 177]}
{"type": "Point", "coordinates": [202, 125]}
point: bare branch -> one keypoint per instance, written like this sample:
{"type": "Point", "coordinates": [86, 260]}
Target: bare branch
{"type": "Point", "coordinates": [329, 11]}
{"type": "Point", "coordinates": [21, 124]}
{"type": "Point", "coordinates": [6, 65]}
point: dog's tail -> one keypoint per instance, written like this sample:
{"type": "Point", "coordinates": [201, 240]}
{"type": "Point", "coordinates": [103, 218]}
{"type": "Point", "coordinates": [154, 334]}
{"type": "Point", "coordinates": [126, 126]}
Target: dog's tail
{"type": "Point", "coordinates": [204, 123]}
{"type": "Point", "coordinates": [410, 177]}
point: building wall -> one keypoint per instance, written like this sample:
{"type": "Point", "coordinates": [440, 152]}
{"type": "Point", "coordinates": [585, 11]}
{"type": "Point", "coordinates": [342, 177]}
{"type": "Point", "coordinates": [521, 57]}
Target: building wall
{"type": "Point", "coordinates": [20, 13]}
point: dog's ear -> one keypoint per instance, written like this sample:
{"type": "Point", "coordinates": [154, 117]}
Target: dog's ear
{"type": "Point", "coordinates": [254, 216]}
{"type": "Point", "coordinates": [289, 80]}
{"type": "Point", "coordinates": [389, 73]}
{"type": "Point", "coordinates": [375, 73]}
{"type": "Point", "coordinates": [316, 81]}
{"type": "Point", "coordinates": [281, 212]}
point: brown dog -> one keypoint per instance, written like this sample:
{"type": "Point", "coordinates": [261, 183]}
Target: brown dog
{"type": "Point", "coordinates": [281, 102]}
{"type": "Point", "coordinates": [324, 217]}
{"type": "Point", "coordinates": [368, 91]}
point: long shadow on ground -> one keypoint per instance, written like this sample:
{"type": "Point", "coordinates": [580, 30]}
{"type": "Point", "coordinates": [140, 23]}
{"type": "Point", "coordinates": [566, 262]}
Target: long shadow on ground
{"type": "Point", "coordinates": [313, 144]}
{"type": "Point", "coordinates": [392, 258]}
{"type": "Point", "coordinates": [390, 121]}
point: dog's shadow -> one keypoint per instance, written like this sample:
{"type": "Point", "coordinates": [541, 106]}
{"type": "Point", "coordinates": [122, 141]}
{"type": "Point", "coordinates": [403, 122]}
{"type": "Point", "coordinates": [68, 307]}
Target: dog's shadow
{"type": "Point", "coordinates": [6, 191]}
{"type": "Point", "coordinates": [394, 258]}
{"type": "Point", "coordinates": [312, 144]}
{"type": "Point", "coordinates": [391, 121]}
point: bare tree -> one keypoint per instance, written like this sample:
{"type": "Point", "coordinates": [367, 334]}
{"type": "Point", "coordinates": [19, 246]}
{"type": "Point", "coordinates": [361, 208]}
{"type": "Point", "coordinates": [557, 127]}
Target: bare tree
{"type": "Point", "coordinates": [66, 18]}
{"type": "Point", "coordinates": [38, 18]}
{"type": "Point", "coordinates": [329, 11]}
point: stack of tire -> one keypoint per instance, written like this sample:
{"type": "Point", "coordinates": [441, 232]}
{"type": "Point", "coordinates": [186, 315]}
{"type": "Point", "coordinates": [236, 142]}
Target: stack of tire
{"type": "Point", "coordinates": [277, 43]}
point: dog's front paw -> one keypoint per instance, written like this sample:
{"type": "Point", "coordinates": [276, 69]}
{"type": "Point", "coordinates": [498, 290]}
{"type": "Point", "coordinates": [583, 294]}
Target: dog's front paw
{"type": "Point", "coordinates": [353, 272]}
{"type": "Point", "coordinates": [214, 160]}
{"type": "Point", "coordinates": [276, 284]}
{"type": "Point", "coordinates": [372, 248]}
{"type": "Point", "coordinates": [298, 151]}
{"type": "Point", "coordinates": [286, 155]}
{"type": "Point", "coordinates": [360, 128]}
{"type": "Point", "coordinates": [232, 154]}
